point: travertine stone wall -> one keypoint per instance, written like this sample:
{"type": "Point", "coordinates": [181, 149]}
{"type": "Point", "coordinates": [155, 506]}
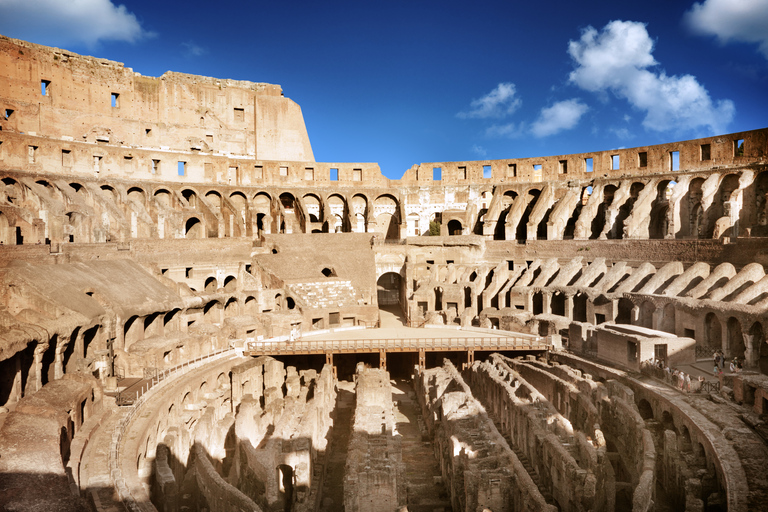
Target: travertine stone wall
{"type": "Point", "coordinates": [375, 474]}
{"type": "Point", "coordinates": [479, 469]}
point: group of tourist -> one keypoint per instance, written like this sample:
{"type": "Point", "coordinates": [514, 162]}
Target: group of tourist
{"type": "Point", "coordinates": [719, 361]}
{"type": "Point", "coordinates": [674, 377]}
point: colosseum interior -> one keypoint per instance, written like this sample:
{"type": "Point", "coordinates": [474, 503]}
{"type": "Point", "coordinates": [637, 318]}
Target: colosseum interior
{"type": "Point", "coordinates": [197, 316]}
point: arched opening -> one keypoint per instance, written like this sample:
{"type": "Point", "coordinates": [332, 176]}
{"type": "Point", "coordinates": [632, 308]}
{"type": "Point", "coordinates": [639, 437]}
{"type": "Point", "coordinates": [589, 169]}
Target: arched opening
{"type": "Point", "coordinates": [454, 227]}
{"type": "Point", "coordinates": [163, 198]}
{"type": "Point", "coordinates": [230, 284]}
{"type": "Point", "coordinates": [285, 480]}
{"type": "Point", "coordinates": [136, 195]}
{"type": "Point", "coordinates": [388, 289]}
{"type": "Point", "coordinates": [659, 225]}
{"type": "Point", "coordinates": [580, 307]}
{"type": "Point", "coordinates": [538, 303]}
{"type": "Point", "coordinates": [599, 221]}
{"type": "Point", "coordinates": [646, 411]}
{"type": "Point", "coordinates": [214, 199]}
{"type": "Point", "coordinates": [760, 222]}
{"type": "Point", "coordinates": [230, 308]}
{"type": "Point", "coordinates": [694, 213]}
{"type": "Point", "coordinates": [190, 197]}
{"type": "Point", "coordinates": [522, 227]}
{"type": "Point", "coordinates": [558, 304]}
{"type": "Point", "coordinates": [736, 339]}
{"type": "Point", "coordinates": [212, 312]}
{"type": "Point", "coordinates": [646, 314]}
{"type": "Point", "coordinates": [667, 323]}
{"type": "Point", "coordinates": [193, 228]}
{"type": "Point", "coordinates": [251, 306]}
{"type": "Point", "coordinates": [211, 285]}
{"type": "Point", "coordinates": [387, 217]}
{"type": "Point", "coordinates": [290, 303]}
{"type": "Point", "coordinates": [713, 332]}
{"type": "Point", "coordinates": [617, 230]}
{"type": "Point", "coordinates": [624, 315]}
{"type": "Point", "coordinates": [438, 299]}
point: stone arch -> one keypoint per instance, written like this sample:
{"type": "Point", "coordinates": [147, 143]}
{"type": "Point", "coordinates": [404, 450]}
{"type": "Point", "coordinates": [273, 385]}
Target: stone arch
{"type": "Point", "coordinates": [262, 206]}
{"type": "Point", "coordinates": [599, 221]}
{"type": "Point", "coordinates": [137, 195]}
{"type": "Point", "coordinates": [190, 196]}
{"type": "Point", "coordinates": [337, 205]}
{"type": "Point", "coordinates": [728, 185]}
{"type": "Point", "coordinates": [625, 307]}
{"type": "Point", "coordinates": [251, 305]}
{"type": "Point", "coordinates": [388, 288]}
{"type": "Point", "coordinates": [736, 345]}
{"type": "Point", "coordinates": [193, 228]}
{"type": "Point", "coordinates": [212, 312]}
{"type": "Point", "coordinates": [668, 319]}
{"type": "Point", "coordinates": [580, 307]}
{"type": "Point", "coordinates": [359, 207]}
{"type": "Point", "coordinates": [314, 207]}
{"type": "Point", "coordinates": [645, 409]}
{"type": "Point", "coordinates": [522, 228]}
{"type": "Point", "coordinates": [386, 209]}
{"type": "Point", "coordinates": [111, 193]}
{"type": "Point", "coordinates": [659, 226]}
{"type": "Point", "coordinates": [625, 210]}
{"type": "Point", "coordinates": [231, 307]}
{"type": "Point", "coordinates": [214, 198]}
{"type": "Point", "coordinates": [211, 284]}
{"type": "Point", "coordinates": [454, 227]}
{"type": "Point", "coordinates": [164, 198]}
{"type": "Point", "coordinates": [647, 310]}
{"type": "Point", "coordinates": [760, 205]}
{"type": "Point", "coordinates": [507, 200]}
{"type": "Point", "coordinates": [557, 304]}
{"type": "Point", "coordinates": [230, 283]}
{"type": "Point", "coordinates": [713, 333]}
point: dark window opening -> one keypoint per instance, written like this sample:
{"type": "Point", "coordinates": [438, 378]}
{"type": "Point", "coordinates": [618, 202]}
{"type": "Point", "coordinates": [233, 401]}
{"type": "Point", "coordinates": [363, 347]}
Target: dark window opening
{"type": "Point", "coordinates": [738, 147]}
{"type": "Point", "coordinates": [462, 173]}
{"type": "Point", "coordinates": [8, 112]}
{"type": "Point", "coordinates": [563, 166]}
{"type": "Point", "coordinates": [189, 272]}
{"type": "Point", "coordinates": [512, 170]}
{"type": "Point", "coordinates": [706, 152]}
{"type": "Point", "coordinates": [642, 159]}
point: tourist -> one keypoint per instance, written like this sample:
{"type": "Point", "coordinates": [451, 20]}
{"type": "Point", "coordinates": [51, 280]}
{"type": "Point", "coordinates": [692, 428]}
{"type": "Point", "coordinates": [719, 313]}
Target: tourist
{"type": "Point", "coordinates": [687, 383]}
{"type": "Point", "coordinates": [732, 366]}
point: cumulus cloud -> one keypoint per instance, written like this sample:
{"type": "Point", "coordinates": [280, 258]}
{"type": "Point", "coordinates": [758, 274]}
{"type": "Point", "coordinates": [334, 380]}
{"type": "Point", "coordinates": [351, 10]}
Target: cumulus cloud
{"type": "Point", "coordinates": [69, 22]}
{"type": "Point", "coordinates": [509, 130]}
{"type": "Point", "coordinates": [563, 115]}
{"type": "Point", "coordinates": [617, 59]}
{"type": "Point", "coordinates": [498, 103]}
{"type": "Point", "coordinates": [737, 20]}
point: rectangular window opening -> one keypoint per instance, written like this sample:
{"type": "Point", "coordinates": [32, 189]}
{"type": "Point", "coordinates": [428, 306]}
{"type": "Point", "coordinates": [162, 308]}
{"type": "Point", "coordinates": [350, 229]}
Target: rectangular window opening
{"type": "Point", "coordinates": [31, 154]}
{"type": "Point", "coordinates": [563, 166]}
{"type": "Point", "coordinates": [738, 147]}
{"type": "Point", "coordinates": [588, 165]}
{"type": "Point", "coordinates": [437, 173]}
{"type": "Point", "coordinates": [147, 131]}
{"type": "Point", "coordinates": [283, 171]}
{"type": "Point", "coordinates": [97, 163]}
{"type": "Point", "coordinates": [487, 172]}
{"type": "Point", "coordinates": [182, 168]}
{"type": "Point", "coordinates": [188, 272]}
{"type": "Point", "coordinates": [115, 100]}
{"type": "Point", "coordinates": [357, 175]}
{"type": "Point", "coordinates": [155, 166]}
{"type": "Point", "coordinates": [239, 114]}
{"type": "Point", "coordinates": [537, 172]}
{"type": "Point", "coordinates": [258, 172]}
{"type": "Point", "coordinates": [334, 174]}
{"type": "Point", "coordinates": [66, 158]}
{"type": "Point", "coordinates": [8, 112]}
{"type": "Point", "coordinates": [615, 162]}
{"type": "Point", "coordinates": [642, 159]}
{"type": "Point", "coordinates": [462, 173]}
{"type": "Point", "coordinates": [209, 138]}
{"type": "Point", "coordinates": [309, 174]}
{"type": "Point", "coordinates": [674, 160]}
{"type": "Point", "coordinates": [512, 170]}
{"type": "Point", "coordinates": [510, 265]}
{"type": "Point", "coordinates": [706, 152]}
{"type": "Point", "coordinates": [45, 87]}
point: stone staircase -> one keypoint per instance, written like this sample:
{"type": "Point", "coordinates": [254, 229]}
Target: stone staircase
{"type": "Point", "coordinates": [325, 295]}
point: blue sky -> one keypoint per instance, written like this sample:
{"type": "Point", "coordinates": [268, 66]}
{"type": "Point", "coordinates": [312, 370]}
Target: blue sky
{"type": "Point", "coordinates": [400, 83]}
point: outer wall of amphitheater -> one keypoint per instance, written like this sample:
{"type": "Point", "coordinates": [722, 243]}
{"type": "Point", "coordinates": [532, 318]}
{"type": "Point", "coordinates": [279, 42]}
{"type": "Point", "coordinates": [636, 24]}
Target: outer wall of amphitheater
{"type": "Point", "coordinates": [196, 315]}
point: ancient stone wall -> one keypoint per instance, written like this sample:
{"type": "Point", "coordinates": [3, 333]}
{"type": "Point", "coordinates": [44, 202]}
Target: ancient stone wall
{"type": "Point", "coordinates": [374, 475]}
{"type": "Point", "coordinates": [479, 468]}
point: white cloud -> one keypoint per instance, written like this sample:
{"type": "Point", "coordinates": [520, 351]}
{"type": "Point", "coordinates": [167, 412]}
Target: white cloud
{"type": "Point", "coordinates": [738, 20]}
{"type": "Point", "coordinates": [479, 150]}
{"type": "Point", "coordinates": [510, 130]}
{"type": "Point", "coordinates": [193, 50]}
{"type": "Point", "coordinates": [498, 103]}
{"type": "Point", "coordinates": [69, 22]}
{"type": "Point", "coordinates": [616, 59]}
{"type": "Point", "coordinates": [563, 115]}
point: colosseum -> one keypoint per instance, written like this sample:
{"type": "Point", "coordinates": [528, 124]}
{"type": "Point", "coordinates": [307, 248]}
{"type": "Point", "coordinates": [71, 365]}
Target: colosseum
{"type": "Point", "coordinates": [198, 316]}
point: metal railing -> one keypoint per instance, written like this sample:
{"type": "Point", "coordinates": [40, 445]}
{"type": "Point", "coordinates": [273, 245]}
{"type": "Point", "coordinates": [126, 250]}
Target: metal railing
{"type": "Point", "coordinates": [398, 345]}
